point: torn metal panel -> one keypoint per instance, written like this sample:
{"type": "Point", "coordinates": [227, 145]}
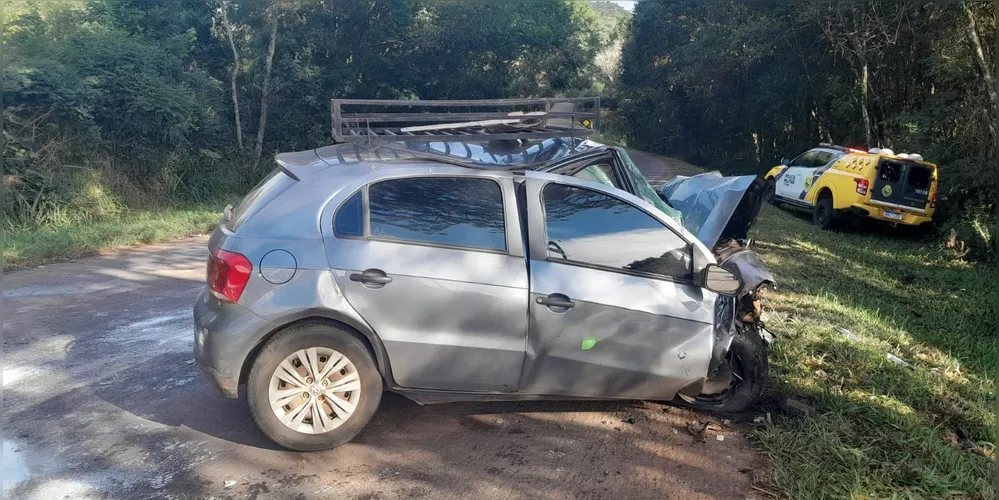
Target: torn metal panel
{"type": "Point", "coordinates": [715, 206]}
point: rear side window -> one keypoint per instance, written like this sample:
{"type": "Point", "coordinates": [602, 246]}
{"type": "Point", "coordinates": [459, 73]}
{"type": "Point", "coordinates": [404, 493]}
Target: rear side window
{"type": "Point", "coordinates": [821, 158]}
{"type": "Point", "coordinates": [592, 228]}
{"type": "Point", "coordinates": [452, 211]}
{"type": "Point", "coordinates": [349, 220]}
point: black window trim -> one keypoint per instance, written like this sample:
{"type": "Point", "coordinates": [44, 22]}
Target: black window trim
{"type": "Point", "coordinates": [366, 215]}
{"type": "Point", "coordinates": [619, 270]}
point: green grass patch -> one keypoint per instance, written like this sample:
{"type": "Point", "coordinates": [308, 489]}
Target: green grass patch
{"type": "Point", "coordinates": [27, 246]}
{"type": "Point", "coordinates": [880, 430]}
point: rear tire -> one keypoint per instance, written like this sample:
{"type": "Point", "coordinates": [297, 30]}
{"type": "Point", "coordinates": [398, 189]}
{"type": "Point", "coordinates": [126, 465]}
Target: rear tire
{"type": "Point", "coordinates": [344, 413]}
{"type": "Point", "coordinates": [748, 357]}
{"type": "Point", "coordinates": [824, 215]}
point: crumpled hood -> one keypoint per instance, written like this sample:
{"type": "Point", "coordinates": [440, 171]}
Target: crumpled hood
{"type": "Point", "coordinates": [714, 206]}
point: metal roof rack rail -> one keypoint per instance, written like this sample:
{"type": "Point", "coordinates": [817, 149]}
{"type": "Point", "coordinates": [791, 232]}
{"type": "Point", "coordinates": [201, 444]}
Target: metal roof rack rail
{"type": "Point", "coordinates": [474, 120]}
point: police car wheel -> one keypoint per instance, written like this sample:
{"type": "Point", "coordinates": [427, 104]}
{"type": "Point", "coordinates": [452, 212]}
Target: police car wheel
{"type": "Point", "coordinates": [824, 215]}
{"type": "Point", "coordinates": [770, 195]}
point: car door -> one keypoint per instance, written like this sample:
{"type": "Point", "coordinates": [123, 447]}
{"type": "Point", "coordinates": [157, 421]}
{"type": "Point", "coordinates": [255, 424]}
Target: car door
{"type": "Point", "coordinates": [613, 311]}
{"type": "Point", "coordinates": [433, 260]}
{"type": "Point", "coordinates": [820, 163]}
{"type": "Point", "coordinates": [790, 182]}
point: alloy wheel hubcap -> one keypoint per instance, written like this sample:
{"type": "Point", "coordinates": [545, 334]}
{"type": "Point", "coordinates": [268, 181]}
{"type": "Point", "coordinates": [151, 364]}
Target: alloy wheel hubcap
{"type": "Point", "coordinates": [314, 390]}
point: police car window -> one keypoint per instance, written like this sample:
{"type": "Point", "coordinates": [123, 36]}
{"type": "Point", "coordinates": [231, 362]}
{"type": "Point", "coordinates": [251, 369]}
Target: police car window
{"type": "Point", "coordinates": [805, 160]}
{"type": "Point", "coordinates": [891, 172]}
{"type": "Point", "coordinates": [821, 158]}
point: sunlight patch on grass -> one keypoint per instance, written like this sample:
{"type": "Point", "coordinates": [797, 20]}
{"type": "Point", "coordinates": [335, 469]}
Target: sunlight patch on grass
{"type": "Point", "coordinates": [881, 429]}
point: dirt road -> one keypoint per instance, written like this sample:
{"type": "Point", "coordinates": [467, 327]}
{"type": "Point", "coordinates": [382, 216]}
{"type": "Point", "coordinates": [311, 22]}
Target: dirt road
{"type": "Point", "coordinates": [102, 400]}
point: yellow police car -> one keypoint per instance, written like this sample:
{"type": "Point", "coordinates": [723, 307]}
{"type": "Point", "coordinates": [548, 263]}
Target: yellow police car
{"type": "Point", "coordinates": [834, 181]}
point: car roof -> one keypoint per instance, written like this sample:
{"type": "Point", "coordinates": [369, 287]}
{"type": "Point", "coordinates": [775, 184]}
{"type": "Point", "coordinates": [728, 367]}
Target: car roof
{"type": "Point", "coordinates": [472, 154]}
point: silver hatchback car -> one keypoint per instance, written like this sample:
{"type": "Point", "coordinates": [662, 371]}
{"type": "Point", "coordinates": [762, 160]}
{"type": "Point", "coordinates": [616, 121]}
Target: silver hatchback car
{"type": "Point", "coordinates": [343, 275]}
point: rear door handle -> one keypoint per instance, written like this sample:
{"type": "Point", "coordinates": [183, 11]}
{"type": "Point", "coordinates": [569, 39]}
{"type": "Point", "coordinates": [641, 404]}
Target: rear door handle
{"type": "Point", "coordinates": [556, 301]}
{"type": "Point", "coordinates": [371, 277]}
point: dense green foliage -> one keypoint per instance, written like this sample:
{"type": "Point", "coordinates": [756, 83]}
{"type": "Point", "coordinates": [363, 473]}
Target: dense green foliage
{"type": "Point", "coordinates": [737, 85]}
{"type": "Point", "coordinates": [138, 95]}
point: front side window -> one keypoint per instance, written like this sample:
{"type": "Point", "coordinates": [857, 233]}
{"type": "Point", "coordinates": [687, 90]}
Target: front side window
{"type": "Point", "coordinates": [804, 160]}
{"type": "Point", "coordinates": [598, 172]}
{"type": "Point", "coordinates": [592, 228]}
{"type": "Point", "coordinates": [453, 211]}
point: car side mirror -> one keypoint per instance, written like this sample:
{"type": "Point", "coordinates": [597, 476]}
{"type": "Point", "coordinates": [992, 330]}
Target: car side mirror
{"type": "Point", "coordinates": [785, 161]}
{"type": "Point", "coordinates": [720, 280]}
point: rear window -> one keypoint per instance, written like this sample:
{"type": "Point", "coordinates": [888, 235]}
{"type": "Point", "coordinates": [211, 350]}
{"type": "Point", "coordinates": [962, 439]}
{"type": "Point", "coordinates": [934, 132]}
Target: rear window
{"type": "Point", "coordinates": [451, 211]}
{"type": "Point", "coordinates": [891, 171]}
{"type": "Point", "coordinates": [919, 177]}
{"type": "Point", "coordinates": [269, 188]}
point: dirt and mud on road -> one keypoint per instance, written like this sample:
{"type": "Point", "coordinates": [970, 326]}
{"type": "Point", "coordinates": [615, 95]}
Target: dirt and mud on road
{"type": "Point", "coordinates": [102, 400]}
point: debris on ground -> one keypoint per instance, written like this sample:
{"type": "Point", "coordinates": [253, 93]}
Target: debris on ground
{"type": "Point", "coordinates": [798, 407]}
{"type": "Point", "coordinates": [720, 437]}
{"type": "Point", "coordinates": [899, 361]}
{"type": "Point", "coordinates": [848, 334]}
{"type": "Point", "coordinates": [629, 420]}
{"type": "Point", "coordinates": [697, 429]}
{"type": "Point", "coordinates": [758, 419]}
{"type": "Point", "coordinates": [675, 431]}
{"type": "Point", "coordinates": [745, 470]}
{"type": "Point", "coordinates": [229, 484]}
{"type": "Point", "coordinates": [962, 440]}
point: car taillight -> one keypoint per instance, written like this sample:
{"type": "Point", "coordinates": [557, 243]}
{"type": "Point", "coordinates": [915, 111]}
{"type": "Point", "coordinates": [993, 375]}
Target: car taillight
{"type": "Point", "coordinates": [933, 201]}
{"type": "Point", "coordinates": [862, 185]}
{"type": "Point", "coordinates": [228, 273]}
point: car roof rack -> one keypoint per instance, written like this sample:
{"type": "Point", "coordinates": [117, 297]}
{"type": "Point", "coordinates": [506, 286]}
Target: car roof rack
{"type": "Point", "coordinates": [475, 120]}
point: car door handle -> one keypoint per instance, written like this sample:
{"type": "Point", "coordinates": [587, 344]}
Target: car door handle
{"type": "Point", "coordinates": [556, 300]}
{"type": "Point", "coordinates": [371, 277]}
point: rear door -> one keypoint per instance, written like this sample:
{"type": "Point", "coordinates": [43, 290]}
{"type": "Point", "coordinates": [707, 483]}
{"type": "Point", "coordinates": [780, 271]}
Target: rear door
{"type": "Point", "coordinates": [613, 312]}
{"type": "Point", "coordinates": [433, 260]}
{"type": "Point", "coordinates": [902, 184]}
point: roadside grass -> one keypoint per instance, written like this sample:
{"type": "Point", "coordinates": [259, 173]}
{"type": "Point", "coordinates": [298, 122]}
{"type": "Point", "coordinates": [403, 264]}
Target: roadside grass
{"type": "Point", "coordinates": [880, 429]}
{"type": "Point", "coordinates": [29, 246]}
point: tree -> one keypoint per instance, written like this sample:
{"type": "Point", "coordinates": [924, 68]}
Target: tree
{"type": "Point", "coordinates": [265, 94]}
{"type": "Point", "coordinates": [227, 26]}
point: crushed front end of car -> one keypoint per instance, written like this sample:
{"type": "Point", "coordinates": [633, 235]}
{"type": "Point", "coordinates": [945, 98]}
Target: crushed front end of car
{"type": "Point", "coordinates": [720, 211]}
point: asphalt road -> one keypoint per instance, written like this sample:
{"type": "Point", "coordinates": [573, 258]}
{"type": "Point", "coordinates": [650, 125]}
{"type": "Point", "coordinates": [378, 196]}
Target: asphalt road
{"type": "Point", "coordinates": [102, 400]}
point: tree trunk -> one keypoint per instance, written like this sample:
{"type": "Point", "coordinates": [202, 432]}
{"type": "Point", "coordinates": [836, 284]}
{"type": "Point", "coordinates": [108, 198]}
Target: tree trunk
{"type": "Point", "coordinates": [864, 84]}
{"type": "Point", "coordinates": [235, 73]}
{"type": "Point", "coordinates": [983, 66]}
{"type": "Point", "coordinates": [265, 93]}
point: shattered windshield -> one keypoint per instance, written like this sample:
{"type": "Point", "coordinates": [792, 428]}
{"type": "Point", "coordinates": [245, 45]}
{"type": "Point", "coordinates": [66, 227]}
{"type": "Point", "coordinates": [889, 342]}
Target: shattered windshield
{"type": "Point", "coordinates": [643, 188]}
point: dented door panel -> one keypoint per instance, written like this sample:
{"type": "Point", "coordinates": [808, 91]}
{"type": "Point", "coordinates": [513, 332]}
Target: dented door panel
{"type": "Point", "coordinates": [625, 337]}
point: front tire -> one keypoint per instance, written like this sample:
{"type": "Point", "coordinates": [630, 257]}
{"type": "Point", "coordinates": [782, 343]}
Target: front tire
{"type": "Point", "coordinates": [313, 387]}
{"type": "Point", "coordinates": [770, 195]}
{"type": "Point", "coordinates": [747, 359]}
